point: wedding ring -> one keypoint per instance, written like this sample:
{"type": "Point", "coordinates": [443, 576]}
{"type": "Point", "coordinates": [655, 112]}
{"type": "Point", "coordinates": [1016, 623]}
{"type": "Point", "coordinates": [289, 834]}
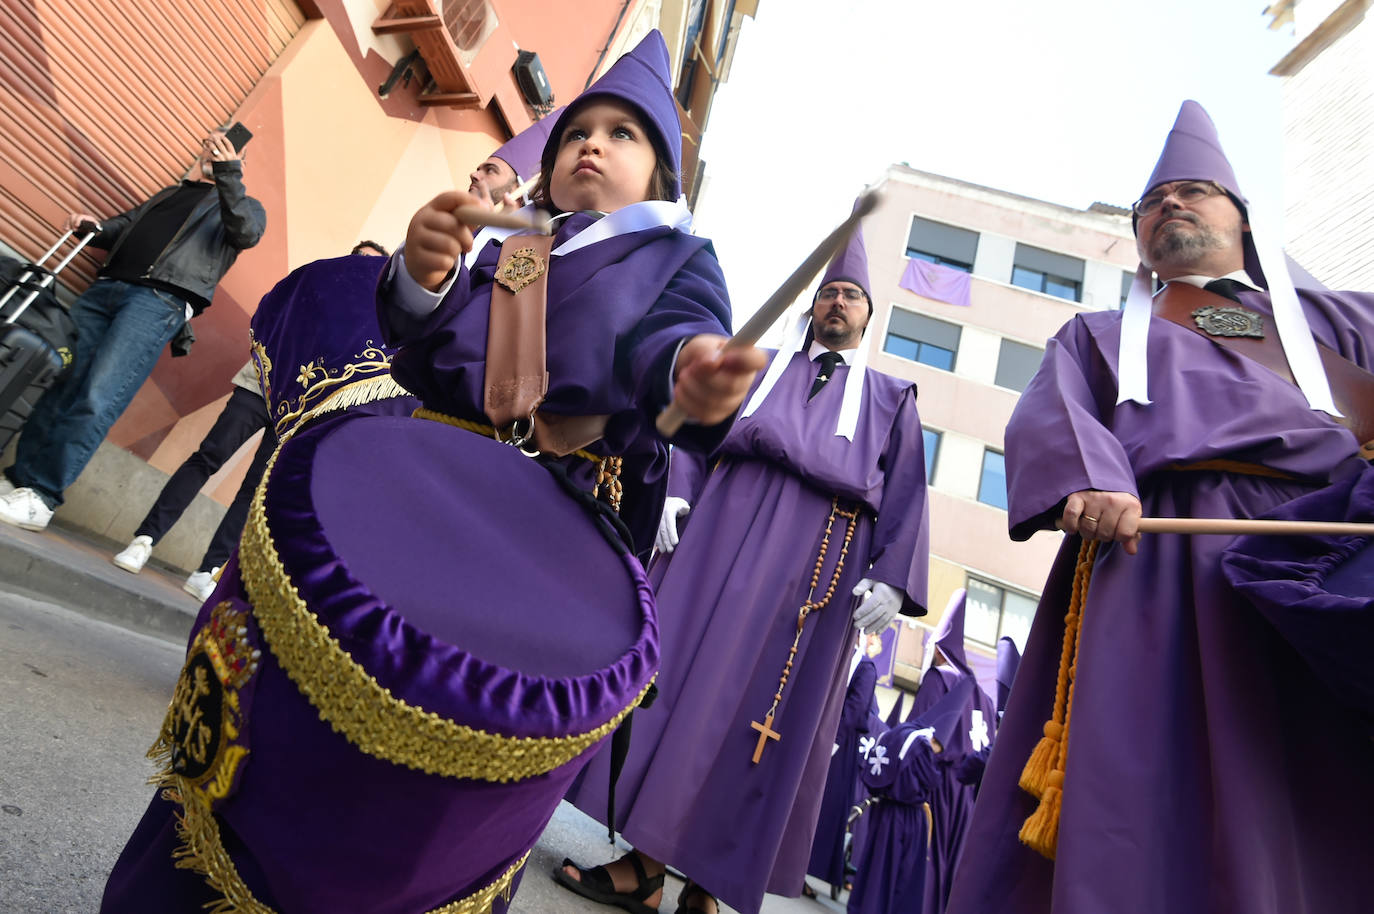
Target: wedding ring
{"type": "Point", "coordinates": [1089, 517]}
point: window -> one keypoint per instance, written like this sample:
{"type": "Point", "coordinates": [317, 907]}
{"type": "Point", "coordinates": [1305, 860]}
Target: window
{"type": "Point", "coordinates": [1017, 364]}
{"type": "Point", "coordinates": [922, 339]}
{"type": "Point", "coordinates": [1045, 271]}
{"type": "Point", "coordinates": [930, 442]}
{"type": "Point", "coordinates": [992, 485]}
{"type": "Point", "coordinates": [942, 244]}
{"type": "Point", "coordinates": [991, 612]}
{"type": "Point", "coordinates": [1126, 280]}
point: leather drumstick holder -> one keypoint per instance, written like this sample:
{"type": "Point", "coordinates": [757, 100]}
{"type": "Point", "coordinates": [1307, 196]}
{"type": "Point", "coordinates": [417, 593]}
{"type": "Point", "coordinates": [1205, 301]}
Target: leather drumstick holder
{"type": "Point", "coordinates": [516, 375]}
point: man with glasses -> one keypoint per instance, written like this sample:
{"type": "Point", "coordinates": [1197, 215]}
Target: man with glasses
{"type": "Point", "coordinates": [815, 499]}
{"type": "Point", "coordinates": [1165, 748]}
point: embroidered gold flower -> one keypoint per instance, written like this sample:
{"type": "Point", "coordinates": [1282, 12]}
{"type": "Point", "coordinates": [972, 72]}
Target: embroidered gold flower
{"type": "Point", "coordinates": [308, 372]}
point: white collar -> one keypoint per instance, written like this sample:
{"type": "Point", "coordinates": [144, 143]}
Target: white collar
{"type": "Point", "coordinates": [1197, 279]}
{"type": "Point", "coordinates": [818, 348]}
{"type": "Point", "coordinates": [633, 218]}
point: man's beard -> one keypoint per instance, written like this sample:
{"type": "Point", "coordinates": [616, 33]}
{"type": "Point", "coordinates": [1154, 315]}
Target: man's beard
{"type": "Point", "coordinates": [1179, 247]}
{"type": "Point", "coordinates": [834, 336]}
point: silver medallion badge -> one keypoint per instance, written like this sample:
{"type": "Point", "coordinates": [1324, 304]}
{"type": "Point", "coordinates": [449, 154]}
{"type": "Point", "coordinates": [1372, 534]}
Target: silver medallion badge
{"type": "Point", "coordinates": [1229, 320]}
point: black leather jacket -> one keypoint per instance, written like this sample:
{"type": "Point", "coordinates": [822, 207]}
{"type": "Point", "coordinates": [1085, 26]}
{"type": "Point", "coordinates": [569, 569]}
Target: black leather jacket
{"type": "Point", "coordinates": [206, 245]}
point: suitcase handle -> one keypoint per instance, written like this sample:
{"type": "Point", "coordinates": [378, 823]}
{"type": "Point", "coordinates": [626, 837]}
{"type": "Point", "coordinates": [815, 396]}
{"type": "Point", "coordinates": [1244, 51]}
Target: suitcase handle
{"type": "Point", "coordinates": [36, 278]}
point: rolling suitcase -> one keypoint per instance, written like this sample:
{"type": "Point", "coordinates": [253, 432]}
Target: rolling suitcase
{"type": "Point", "coordinates": [37, 335]}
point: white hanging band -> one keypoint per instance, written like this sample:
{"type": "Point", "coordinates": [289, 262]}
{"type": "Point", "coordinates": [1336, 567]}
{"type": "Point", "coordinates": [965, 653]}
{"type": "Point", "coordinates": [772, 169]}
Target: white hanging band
{"type": "Point", "coordinates": [925, 733]}
{"type": "Point", "coordinates": [848, 422]}
{"type": "Point", "coordinates": [791, 344]}
{"type": "Point", "coordinates": [1132, 372]}
{"type": "Point", "coordinates": [633, 218]}
{"type": "Point", "coordinates": [1294, 334]}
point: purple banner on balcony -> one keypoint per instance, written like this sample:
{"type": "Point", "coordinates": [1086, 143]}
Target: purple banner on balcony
{"type": "Point", "coordinates": [933, 280]}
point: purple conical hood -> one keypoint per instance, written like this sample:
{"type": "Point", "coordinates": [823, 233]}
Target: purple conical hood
{"type": "Point", "coordinates": [949, 637]}
{"type": "Point", "coordinates": [894, 717]}
{"type": "Point", "coordinates": [522, 151]}
{"type": "Point", "coordinates": [851, 263]}
{"type": "Point", "coordinates": [642, 77]}
{"type": "Point", "coordinates": [1008, 659]}
{"type": "Point", "coordinates": [1192, 152]}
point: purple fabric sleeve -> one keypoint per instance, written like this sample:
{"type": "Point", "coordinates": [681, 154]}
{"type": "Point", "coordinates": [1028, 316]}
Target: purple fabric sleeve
{"type": "Point", "coordinates": [901, 538]}
{"type": "Point", "coordinates": [859, 696]}
{"type": "Point", "coordinates": [1056, 442]}
{"type": "Point", "coordinates": [686, 475]}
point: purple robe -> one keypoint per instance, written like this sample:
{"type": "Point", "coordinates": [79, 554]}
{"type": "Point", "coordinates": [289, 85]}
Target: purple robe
{"type": "Point", "coordinates": [842, 787]}
{"type": "Point", "coordinates": [1208, 768]}
{"type": "Point", "coordinates": [728, 600]}
{"type": "Point", "coordinates": [616, 312]}
{"type": "Point", "coordinates": [894, 863]}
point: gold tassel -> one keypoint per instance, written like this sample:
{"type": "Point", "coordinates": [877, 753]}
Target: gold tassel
{"type": "Point", "coordinates": [1041, 831]}
{"type": "Point", "coordinates": [1043, 774]}
{"type": "Point", "coordinates": [1035, 775]}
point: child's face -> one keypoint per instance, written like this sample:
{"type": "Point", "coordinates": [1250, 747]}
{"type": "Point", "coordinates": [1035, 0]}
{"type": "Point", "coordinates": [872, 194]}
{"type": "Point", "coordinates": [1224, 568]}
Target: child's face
{"type": "Point", "coordinates": [605, 159]}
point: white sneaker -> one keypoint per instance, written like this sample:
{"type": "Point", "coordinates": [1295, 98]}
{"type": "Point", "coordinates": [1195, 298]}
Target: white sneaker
{"type": "Point", "coordinates": [201, 584]}
{"type": "Point", "coordinates": [23, 508]}
{"type": "Point", "coordinates": [135, 555]}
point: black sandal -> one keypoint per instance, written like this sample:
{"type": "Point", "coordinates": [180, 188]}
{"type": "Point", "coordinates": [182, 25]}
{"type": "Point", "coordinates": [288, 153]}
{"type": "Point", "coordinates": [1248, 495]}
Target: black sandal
{"type": "Point", "coordinates": [596, 884]}
{"type": "Point", "coordinates": [687, 890]}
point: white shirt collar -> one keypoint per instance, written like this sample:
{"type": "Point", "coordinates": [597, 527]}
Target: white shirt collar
{"type": "Point", "coordinates": [1239, 276]}
{"type": "Point", "coordinates": [817, 348]}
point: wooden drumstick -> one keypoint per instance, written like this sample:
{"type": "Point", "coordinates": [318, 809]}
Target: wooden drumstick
{"type": "Point", "coordinates": [1231, 526]}
{"type": "Point", "coordinates": [476, 217]}
{"type": "Point", "coordinates": [670, 420]}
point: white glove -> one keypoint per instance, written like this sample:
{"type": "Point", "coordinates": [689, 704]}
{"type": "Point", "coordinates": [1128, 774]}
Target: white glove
{"type": "Point", "coordinates": [673, 508]}
{"type": "Point", "coordinates": [879, 607]}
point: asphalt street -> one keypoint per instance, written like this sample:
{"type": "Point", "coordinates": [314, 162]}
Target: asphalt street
{"type": "Point", "coordinates": [80, 702]}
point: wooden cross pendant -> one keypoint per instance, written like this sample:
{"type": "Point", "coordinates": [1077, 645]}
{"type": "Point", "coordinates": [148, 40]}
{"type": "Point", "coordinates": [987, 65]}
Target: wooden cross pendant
{"type": "Point", "coordinates": [766, 732]}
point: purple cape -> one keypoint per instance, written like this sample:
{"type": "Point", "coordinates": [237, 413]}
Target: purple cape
{"type": "Point", "coordinates": [1190, 785]}
{"type": "Point", "coordinates": [617, 310]}
{"type": "Point", "coordinates": [842, 787]}
{"type": "Point", "coordinates": [728, 600]}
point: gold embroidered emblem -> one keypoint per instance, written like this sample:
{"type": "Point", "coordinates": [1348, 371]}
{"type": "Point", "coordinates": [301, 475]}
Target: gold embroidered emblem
{"type": "Point", "coordinates": [520, 269]}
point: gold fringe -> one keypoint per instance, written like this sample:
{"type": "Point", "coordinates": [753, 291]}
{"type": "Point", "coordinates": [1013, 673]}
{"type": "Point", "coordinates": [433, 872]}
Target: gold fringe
{"type": "Point", "coordinates": [1043, 774]}
{"type": "Point", "coordinates": [370, 390]}
{"type": "Point", "coordinates": [360, 708]}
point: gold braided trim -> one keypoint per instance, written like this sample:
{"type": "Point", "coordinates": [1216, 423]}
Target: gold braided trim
{"type": "Point", "coordinates": [202, 851]}
{"type": "Point", "coordinates": [486, 431]}
{"type": "Point", "coordinates": [369, 390]}
{"type": "Point", "coordinates": [362, 710]}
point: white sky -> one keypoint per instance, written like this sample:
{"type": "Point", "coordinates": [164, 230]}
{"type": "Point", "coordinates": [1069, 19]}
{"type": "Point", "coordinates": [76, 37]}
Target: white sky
{"type": "Point", "coordinates": [1063, 100]}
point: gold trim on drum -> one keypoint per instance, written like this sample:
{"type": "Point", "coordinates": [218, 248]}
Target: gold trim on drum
{"type": "Point", "coordinates": [361, 709]}
{"type": "Point", "coordinates": [369, 390]}
{"type": "Point", "coordinates": [202, 851]}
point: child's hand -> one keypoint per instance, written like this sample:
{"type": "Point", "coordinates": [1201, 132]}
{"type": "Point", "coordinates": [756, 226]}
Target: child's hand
{"type": "Point", "coordinates": [711, 382]}
{"type": "Point", "coordinates": [436, 238]}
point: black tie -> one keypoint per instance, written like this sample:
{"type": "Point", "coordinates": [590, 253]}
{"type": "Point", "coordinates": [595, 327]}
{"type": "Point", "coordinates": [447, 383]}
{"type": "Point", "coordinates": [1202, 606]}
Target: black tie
{"type": "Point", "coordinates": [828, 361]}
{"type": "Point", "coordinates": [1227, 288]}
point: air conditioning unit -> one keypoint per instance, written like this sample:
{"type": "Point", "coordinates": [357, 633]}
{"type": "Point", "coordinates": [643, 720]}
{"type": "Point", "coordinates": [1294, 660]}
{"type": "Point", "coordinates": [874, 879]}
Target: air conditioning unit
{"type": "Point", "coordinates": [532, 80]}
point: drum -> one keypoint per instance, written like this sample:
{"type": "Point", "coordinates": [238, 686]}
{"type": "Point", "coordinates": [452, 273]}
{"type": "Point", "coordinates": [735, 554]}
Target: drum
{"type": "Point", "coordinates": [421, 641]}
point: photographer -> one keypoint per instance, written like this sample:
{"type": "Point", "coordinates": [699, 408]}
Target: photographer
{"type": "Point", "coordinates": [165, 258]}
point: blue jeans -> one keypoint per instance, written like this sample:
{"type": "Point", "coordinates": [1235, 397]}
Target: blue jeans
{"type": "Point", "coordinates": [121, 329]}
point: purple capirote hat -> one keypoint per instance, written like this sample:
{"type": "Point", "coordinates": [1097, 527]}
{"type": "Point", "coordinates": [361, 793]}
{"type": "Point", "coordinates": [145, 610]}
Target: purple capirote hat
{"type": "Point", "coordinates": [1008, 659]}
{"type": "Point", "coordinates": [949, 635]}
{"type": "Point", "coordinates": [522, 151]}
{"type": "Point", "coordinates": [944, 716]}
{"type": "Point", "coordinates": [851, 263]}
{"type": "Point", "coordinates": [1192, 152]}
{"type": "Point", "coordinates": [316, 342]}
{"type": "Point", "coordinates": [425, 684]}
{"type": "Point", "coordinates": [643, 77]}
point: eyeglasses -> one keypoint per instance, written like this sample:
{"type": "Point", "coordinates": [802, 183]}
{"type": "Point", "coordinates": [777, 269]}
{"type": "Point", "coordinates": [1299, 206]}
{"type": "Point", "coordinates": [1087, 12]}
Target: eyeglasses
{"type": "Point", "coordinates": [851, 296]}
{"type": "Point", "coordinates": [1188, 192]}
